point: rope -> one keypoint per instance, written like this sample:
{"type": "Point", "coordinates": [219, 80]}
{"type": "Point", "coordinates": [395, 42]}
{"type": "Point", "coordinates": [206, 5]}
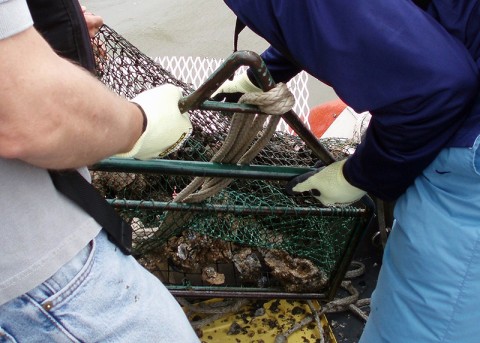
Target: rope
{"type": "Point", "coordinates": [316, 316]}
{"type": "Point", "coordinates": [247, 136]}
{"type": "Point", "coordinates": [349, 303]}
{"type": "Point", "coordinates": [276, 101]}
{"type": "Point", "coordinates": [216, 310]}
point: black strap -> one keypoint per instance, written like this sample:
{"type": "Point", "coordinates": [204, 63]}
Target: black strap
{"type": "Point", "coordinates": [239, 26]}
{"type": "Point", "coordinates": [62, 24]}
{"type": "Point", "coordinates": [81, 192]}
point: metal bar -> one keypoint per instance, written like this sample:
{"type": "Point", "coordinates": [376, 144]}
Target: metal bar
{"type": "Point", "coordinates": [206, 169]}
{"type": "Point", "coordinates": [308, 137]}
{"type": "Point", "coordinates": [355, 236]}
{"type": "Point", "coordinates": [264, 79]}
{"type": "Point", "coordinates": [382, 226]}
{"type": "Point", "coordinates": [229, 107]}
{"type": "Point", "coordinates": [238, 292]}
{"type": "Point", "coordinates": [349, 212]}
{"type": "Point", "coordinates": [219, 76]}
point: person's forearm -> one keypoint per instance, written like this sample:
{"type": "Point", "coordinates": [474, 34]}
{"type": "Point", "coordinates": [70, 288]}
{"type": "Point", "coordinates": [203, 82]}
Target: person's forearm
{"type": "Point", "coordinates": [54, 114]}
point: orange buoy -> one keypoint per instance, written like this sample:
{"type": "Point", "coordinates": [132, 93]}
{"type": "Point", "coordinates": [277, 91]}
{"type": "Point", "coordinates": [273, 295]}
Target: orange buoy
{"type": "Point", "coordinates": [322, 116]}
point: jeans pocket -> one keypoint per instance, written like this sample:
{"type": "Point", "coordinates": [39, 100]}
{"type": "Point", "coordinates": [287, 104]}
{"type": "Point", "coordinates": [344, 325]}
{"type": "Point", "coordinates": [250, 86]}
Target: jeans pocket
{"type": "Point", "coordinates": [5, 337]}
{"type": "Point", "coordinates": [63, 284]}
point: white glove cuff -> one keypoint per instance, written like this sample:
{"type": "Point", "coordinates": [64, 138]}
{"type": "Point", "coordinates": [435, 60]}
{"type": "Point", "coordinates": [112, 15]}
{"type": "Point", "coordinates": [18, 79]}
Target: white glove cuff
{"type": "Point", "coordinates": [135, 149]}
{"type": "Point", "coordinates": [246, 85]}
{"type": "Point", "coordinates": [346, 192]}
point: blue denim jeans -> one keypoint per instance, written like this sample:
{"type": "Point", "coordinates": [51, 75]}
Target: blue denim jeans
{"type": "Point", "coordinates": [101, 295]}
{"type": "Point", "coordinates": [429, 284]}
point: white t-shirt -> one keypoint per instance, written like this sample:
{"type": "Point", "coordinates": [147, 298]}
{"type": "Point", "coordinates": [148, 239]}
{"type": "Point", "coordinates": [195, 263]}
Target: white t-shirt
{"type": "Point", "coordinates": [40, 229]}
{"type": "Point", "coordinates": [14, 17]}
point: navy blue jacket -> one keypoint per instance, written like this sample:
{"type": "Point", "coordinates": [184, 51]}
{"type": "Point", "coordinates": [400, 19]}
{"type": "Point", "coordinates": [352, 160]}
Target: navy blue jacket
{"type": "Point", "coordinates": [416, 72]}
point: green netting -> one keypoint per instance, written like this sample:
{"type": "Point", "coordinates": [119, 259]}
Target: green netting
{"type": "Point", "coordinates": [248, 234]}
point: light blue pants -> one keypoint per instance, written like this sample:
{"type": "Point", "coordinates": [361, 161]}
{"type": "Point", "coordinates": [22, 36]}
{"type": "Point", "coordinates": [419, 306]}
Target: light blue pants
{"type": "Point", "coordinates": [429, 284]}
{"type": "Point", "coordinates": [99, 296]}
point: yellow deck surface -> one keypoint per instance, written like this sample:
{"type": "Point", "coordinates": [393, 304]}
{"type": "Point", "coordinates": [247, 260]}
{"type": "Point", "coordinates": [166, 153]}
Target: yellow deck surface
{"type": "Point", "coordinates": [263, 326]}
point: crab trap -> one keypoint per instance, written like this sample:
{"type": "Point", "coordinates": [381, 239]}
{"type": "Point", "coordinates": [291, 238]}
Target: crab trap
{"type": "Point", "coordinates": [212, 219]}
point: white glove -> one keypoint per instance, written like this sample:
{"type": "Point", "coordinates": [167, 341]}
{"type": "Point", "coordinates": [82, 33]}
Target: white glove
{"type": "Point", "coordinates": [167, 129]}
{"type": "Point", "coordinates": [329, 184]}
{"type": "Point", "coordinates": [240, 84]}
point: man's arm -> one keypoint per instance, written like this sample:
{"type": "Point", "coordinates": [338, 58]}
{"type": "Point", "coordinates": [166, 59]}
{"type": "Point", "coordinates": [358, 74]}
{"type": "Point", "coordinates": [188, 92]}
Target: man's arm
{"type": "Point", "coordinates": [56, 115]}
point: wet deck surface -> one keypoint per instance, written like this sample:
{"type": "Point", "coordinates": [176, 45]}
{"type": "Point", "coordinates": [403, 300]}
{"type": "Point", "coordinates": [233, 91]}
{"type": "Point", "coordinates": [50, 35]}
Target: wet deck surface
{"type": "Point", "coordinates": [346, 326]}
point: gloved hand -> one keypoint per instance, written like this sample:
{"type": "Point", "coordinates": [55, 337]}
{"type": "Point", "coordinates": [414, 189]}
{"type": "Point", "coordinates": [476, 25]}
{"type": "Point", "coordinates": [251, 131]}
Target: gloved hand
{"type": "Point", "coordinates": [166, 129]}
{"type": "Point", "coordinates": [232, 90]}
{"type": "Point", "coordinates": [328, 185]}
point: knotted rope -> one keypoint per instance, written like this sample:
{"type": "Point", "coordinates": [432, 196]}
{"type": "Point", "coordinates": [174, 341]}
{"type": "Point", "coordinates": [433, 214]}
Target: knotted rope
{"type": "Point", "coordinates": [248, 134]}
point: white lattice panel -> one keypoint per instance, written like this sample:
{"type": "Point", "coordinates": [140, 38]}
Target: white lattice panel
{"type": "Point", "coordinates": [195, 70]}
